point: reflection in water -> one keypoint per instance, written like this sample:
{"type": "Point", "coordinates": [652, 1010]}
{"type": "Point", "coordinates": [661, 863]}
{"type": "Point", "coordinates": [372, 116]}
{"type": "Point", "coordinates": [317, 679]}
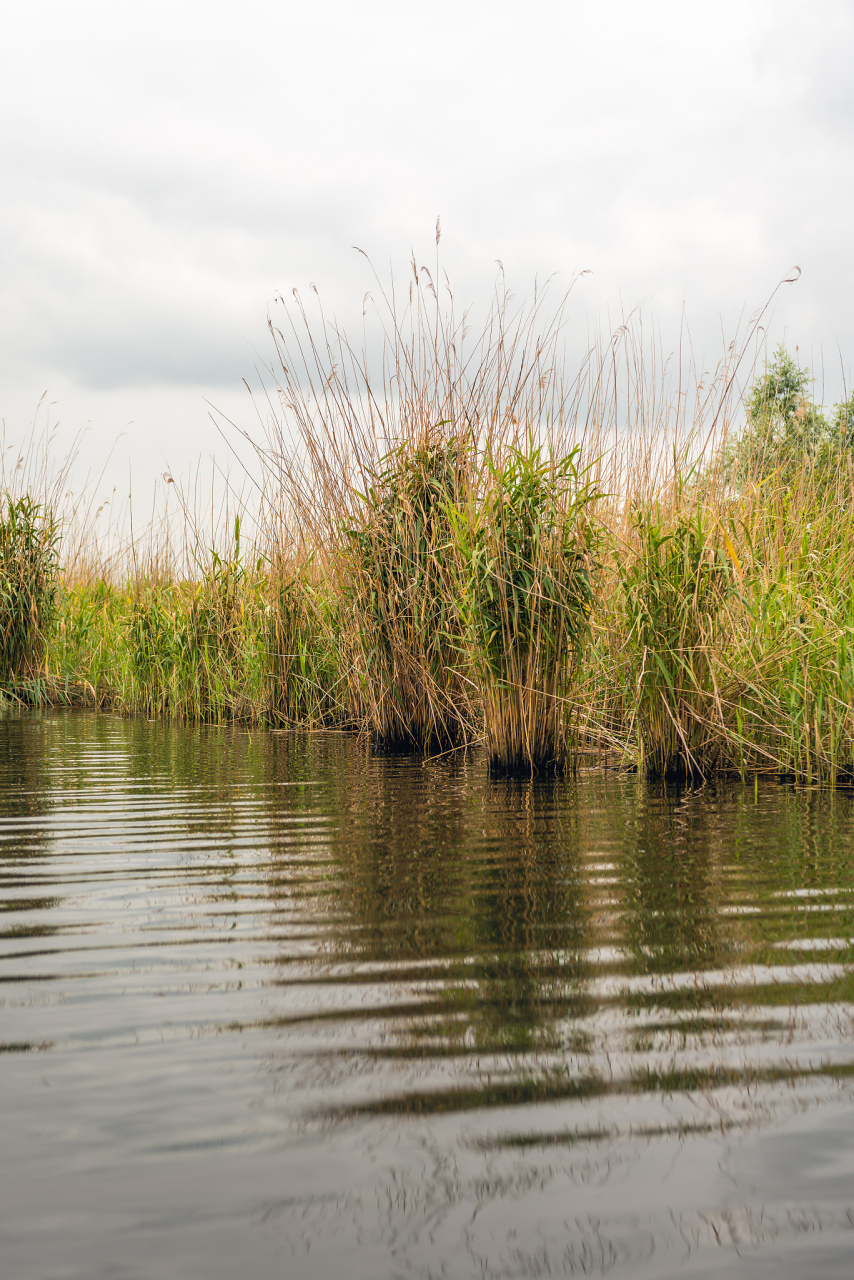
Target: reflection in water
{"type": "Point", "coordinates": [271, 1005]}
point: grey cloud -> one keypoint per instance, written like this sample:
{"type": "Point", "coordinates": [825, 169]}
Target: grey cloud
{"type": "Point", "coordinates": [158, 191]}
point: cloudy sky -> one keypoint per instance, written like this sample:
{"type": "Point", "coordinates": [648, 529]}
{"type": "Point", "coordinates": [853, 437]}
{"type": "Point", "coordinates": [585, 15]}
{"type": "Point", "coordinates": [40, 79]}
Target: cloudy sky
{"type": "Point", "coordinates": [167, 168]}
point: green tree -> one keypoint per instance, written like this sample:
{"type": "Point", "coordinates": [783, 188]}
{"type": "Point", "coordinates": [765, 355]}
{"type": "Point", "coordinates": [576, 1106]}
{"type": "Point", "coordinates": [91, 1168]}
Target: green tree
{"type": "Point", "coordinates": [786, 431]}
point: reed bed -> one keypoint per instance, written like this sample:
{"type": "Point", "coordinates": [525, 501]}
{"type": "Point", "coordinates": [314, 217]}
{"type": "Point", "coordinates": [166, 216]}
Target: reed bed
{"type": "Point", "coordinates": [462, 540]}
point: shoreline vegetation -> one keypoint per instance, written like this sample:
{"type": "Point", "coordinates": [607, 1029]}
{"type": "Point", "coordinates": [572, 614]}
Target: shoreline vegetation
{"type": "Point", "coordinates": [458, 539]}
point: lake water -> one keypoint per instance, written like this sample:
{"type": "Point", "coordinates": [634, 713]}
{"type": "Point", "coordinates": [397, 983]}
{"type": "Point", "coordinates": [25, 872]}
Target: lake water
{"type": "Point", "coordinates": [272, 1006]}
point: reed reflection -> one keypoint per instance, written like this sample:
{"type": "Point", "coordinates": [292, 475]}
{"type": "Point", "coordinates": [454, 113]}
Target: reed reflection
{"type": "Point", "coordinates": [25, 771]}
{"type": "Point", "coordinates": [463, 896]}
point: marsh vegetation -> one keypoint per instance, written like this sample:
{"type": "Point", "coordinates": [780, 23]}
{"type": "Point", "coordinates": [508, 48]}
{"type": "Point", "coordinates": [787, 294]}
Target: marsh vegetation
{"type": "Point", "coordinates": [460, 539]}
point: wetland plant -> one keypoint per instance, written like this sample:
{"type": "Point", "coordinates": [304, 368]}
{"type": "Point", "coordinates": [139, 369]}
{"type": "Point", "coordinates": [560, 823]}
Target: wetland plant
{"type": "Point", "coordinates": [373, 452]}
{"type": "Point", "coordinates": [29, 581]}
{"type": "Point", "coordinates": [431, 542]}
{"type": "Point", "coordinates": [304, 623]}
{"type": "Point", "coordinates": [674, 585]}
{"type": "Point", "coordinates": [527, 545]}
{"type": "Point", "coordinates": [196, 649]}
{"type": "Point", "coordinates": [401, 595]}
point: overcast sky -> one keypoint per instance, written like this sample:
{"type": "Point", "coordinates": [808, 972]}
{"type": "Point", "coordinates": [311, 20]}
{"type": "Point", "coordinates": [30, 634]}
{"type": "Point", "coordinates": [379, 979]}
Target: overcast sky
{"type": "Point", "coordinates": [167, 168]}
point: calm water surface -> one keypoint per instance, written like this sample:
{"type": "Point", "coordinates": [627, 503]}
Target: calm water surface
{"type": "Point", "coordinates": [272, 1007]}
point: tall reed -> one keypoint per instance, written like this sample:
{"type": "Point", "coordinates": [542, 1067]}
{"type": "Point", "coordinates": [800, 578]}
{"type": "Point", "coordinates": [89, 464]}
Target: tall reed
{"type": "Point", "coordinates": [398, 564]}
{"type": "Point", "coordinates": [371, 455]}
{"type": "Point", "coordinates": [675, 579]}
{"type": "Point", "coordinates": [29, 576]}
{"type": "Point", "coordinates": [307, 684]}
{"type": "Point", "coordinates": [527, 544]}
{"type": "Point", "coordinates": [460, 537]}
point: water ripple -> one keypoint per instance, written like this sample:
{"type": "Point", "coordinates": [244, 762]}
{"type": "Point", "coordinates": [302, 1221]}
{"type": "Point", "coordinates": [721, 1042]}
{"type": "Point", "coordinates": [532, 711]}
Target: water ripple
{"type": "Point", "coordinates": [460, 1026]}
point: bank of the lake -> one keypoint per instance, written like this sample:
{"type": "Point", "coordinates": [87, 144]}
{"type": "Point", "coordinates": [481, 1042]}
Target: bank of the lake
{"type": "Point", "coordinates": [675, 598]}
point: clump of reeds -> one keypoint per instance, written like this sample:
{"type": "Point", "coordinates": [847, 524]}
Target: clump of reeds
{"type": "Point", "coordinates": [399, 574]}
{"type": "Point", "coordinates": [527, 543]}
{"type": "Point", "coordinates": [784, 508]}
{"type": "Point", "coordinates": [371, 457]}
{"type": "Point", "coordinates": [29, 579]}
{"type": "Point", "coordinates": [675, 579]}
{"type": "Point", "coordinates": [439, 475]}
{"type": "Point", "coordinates": [458, 540]}
{"type": "Point", "coordinates": [307, 687]}
{"type": "Point", "coordinates": [792, 648]}
{"type": "Point", "coordinates": [196, 648]}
